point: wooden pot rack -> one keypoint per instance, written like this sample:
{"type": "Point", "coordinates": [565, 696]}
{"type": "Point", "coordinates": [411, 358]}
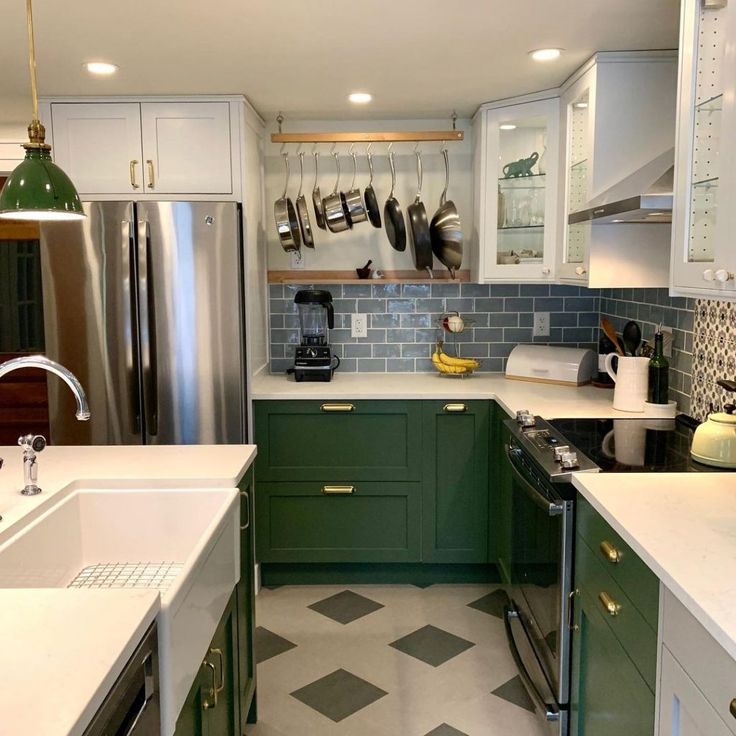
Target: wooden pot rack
{"type": "Point", "coordinates": [402, 136]}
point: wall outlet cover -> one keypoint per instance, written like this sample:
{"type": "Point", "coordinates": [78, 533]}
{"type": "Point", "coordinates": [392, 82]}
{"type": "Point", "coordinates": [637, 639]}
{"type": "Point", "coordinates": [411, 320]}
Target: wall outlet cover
{"type": "Point", "coordinates": [358, 325]}
{"type": "Point", "coordinates": [541, 324]}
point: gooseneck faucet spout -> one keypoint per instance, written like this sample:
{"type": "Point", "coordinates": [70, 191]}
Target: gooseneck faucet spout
{"type": "Point", "coordinates": [41, 361]}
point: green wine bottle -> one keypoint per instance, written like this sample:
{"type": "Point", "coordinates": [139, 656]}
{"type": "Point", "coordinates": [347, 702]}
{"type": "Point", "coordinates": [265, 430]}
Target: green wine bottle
{"type": "Point", "coordinates": [659, 373]}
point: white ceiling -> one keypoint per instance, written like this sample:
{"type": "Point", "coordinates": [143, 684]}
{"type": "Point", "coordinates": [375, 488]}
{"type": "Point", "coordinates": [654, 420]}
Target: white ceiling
{"type": "Point", "coordinates": [418, 57]}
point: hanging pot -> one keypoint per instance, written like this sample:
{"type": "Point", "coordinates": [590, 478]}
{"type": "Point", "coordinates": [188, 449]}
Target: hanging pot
{"type": "Point", "coordinates": [371, 201]}
{"type": "Point", "coordinates": [353, 197]}
{"type": "Point", "coordinates": [421, 243]}
{"type": "Point", "coordinates": [287, 224]}
{"type": "Point", "coordinates": [337, 215]}
{"type": "Point", "coordinates": [305, 225]}
{"type": "Point", "coordinates": [446, 229]}
{"type": "Point", "coordinates": [392, 214]}
{"type": "Point", "coordinates": [319, 213]}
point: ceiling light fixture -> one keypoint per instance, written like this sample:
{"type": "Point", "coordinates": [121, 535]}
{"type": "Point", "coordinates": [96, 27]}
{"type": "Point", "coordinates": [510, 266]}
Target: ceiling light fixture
{"type": "Point", "coordinates": [507, 126]}
{"type": "Point", "coordinates": [100, 68]}
{"type": "Point", "coordinates": [38, 189]}
{"type": "Point", "coordinates": [360, 98]}
{"type": "Point", "coordinates": [545, 54]}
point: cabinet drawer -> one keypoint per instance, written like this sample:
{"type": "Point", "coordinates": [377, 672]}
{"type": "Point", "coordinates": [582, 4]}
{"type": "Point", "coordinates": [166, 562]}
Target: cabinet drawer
{"type": "Point", "coordinates": [701, 656]}
{"type": "Point", "coordinates": [338, 440]}
{"type": "Point", "coordinates": [637, 638]}
{"type": "Point", "coordinates": [639, 582]}
{"type": "Point", "coordinates": [353, 521]}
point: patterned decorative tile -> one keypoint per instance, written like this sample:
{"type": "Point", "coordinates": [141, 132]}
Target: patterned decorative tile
{"type": "Point", "coordinates": [346, 606]}
{"type": "Point", "coordinates": [515, 692]}
{"type": "Point", "coordinates": [444, 730]}
{"type": "Point", "coordinates": [270, 645]}
{"type": "Point", "coordinates": [339, 695]}
{"type": "Point", "coordinates": [432, 645]}
{"type": "Point", "coordinates": [493, 603]}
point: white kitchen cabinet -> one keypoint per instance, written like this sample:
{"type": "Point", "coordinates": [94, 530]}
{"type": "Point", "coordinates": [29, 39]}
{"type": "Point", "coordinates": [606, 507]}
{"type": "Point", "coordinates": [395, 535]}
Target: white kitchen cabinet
{"type": "Point", "coordinates": [703, 256]}
{"type": "Point", "coordinates": [618, 127]}
{"type": "Point", "coordinates": [140, 148]}
{"type": "Point", "coordinates": [516, 165]}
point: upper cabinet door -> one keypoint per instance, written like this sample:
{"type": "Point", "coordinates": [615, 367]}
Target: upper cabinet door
{"type": "Point", "coordinates": [99, 146]}
{"type": "Point", "coordinates": [517, 192]}
{"type": "Point", "coordinates": [703, 257]}
{"type": "Point", "coordinates": [187, 147]}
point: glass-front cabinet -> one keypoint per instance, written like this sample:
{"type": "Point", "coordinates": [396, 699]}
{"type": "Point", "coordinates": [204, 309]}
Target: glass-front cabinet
{"type": "Point", "coordinates": [704, 256]}
{"type": "Point", "coordinates": [516, 157]}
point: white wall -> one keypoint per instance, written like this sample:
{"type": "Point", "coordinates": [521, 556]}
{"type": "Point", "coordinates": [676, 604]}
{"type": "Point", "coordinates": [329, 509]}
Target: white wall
{"type": "Point", "coordinates": [353, 248]}
{"type": "Point", "coordinates": [11, 153]}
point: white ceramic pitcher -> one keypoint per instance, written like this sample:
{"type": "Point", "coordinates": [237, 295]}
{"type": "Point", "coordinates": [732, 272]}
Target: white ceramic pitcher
{"type": "Point", "coordinates": [632, 380]}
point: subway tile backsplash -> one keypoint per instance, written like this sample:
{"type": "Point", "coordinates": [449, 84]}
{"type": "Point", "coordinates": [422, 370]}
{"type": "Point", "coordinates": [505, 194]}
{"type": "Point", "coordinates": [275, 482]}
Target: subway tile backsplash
{"type": "Point", "coordinates": [402, 322]}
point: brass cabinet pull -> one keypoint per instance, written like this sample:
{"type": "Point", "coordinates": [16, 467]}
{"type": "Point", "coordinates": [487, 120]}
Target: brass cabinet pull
{"type": "Point", "coordinates": [221, 687]}
{"type": "Point", "coordinates": [612, 554]}
{"type": "Point", "coordinates": [133, 182]}
{"type": "Point", "coordinates": [570, 610]}
{"type": "Point", "coordinates": [337, 407]}
{"type": "Point", "coordinates": [207, 703]}
{"type": "Point", "coordinates": [151, 180]}
{"type": "Point", "coordinates": [732, 707]}
{"type": "Point", "coordinates": [452, 408]}
{"type": "Point", "coordinates": [245, 495]}
{"type": "Point", "coordinates": [338, 490]}
{"type": "Point", "coordinates": [612, 608]}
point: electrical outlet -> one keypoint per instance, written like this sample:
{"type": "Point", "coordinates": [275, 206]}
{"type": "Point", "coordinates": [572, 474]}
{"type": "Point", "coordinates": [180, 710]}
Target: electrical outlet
{"type": "Point", "coordinates": [359, 325]}
{"type": "Point", "coordinates": [541, 324]}
{"type": "Point", "coordinates": [297, 259]}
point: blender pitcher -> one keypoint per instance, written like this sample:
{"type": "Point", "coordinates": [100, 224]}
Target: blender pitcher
{"type": "Point", "coordinates": [316, 315]}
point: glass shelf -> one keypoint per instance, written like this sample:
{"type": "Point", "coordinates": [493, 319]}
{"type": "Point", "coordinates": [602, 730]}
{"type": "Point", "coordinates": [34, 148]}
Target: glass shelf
{"type": "Point", "coordinates": [522, 227]}
{"type": "Point", "coordinates": [520, 178]}
{"type": "Point", "coordinates": [712, 104]}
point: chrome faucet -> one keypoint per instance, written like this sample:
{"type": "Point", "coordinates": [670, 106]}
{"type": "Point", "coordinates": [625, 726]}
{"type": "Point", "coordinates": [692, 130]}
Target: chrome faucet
{"type": "Point", "coordinates": [33, 444]}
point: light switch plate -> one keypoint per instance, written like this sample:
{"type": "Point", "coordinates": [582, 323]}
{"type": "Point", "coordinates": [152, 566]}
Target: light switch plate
{"type": "Point", "coordinates": [358, 325]}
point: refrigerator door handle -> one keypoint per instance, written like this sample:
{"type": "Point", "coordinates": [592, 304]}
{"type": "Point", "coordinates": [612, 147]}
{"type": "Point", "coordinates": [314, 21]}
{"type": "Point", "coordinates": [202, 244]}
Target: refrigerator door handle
{"type": "Point", "coordinates": [148, 328]}
{"type": "Point", "coordinates": [131, 338]}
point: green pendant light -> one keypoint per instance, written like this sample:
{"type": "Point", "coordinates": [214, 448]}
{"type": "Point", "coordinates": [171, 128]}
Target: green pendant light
{"type": "Point", "coordinates": [38, 189]}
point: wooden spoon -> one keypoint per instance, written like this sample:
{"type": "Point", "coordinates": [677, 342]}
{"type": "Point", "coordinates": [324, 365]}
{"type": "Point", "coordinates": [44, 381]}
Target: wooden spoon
{"type": "Point", "coordinates": [610, 332]}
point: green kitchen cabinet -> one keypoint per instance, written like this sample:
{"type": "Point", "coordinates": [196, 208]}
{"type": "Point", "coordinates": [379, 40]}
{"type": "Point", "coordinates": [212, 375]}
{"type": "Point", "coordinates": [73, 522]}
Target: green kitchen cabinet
{"type": "Point", "coordinates": [212, 706]}
{"type": "Point", "coordinates": [338, 441]}
{"type": "Point", "coordinates": [500, 495]}
{"type": "Point", "coordinates": [455, 481]}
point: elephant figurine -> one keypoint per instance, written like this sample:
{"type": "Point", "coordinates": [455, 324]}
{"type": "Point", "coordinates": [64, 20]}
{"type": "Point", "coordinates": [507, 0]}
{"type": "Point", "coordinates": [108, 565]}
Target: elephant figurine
{"type": "Point", "coordinates": [522, 167]}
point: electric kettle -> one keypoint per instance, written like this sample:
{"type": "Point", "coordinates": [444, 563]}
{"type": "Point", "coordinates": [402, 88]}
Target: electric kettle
{"type": "Point", "coordinates": [714, 442]}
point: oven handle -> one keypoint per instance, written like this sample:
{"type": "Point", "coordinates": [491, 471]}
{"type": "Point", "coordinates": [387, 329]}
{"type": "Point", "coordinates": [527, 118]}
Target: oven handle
{"type": "Point", "coordinates": [553, 509]}
{"type": "Point", "coordinates": [551, 713]}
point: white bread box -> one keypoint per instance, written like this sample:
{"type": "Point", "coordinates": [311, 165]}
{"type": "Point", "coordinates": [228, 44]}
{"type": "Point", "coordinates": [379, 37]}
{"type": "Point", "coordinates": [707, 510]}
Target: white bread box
{"type": "Point", "coordinates": [552, 364]}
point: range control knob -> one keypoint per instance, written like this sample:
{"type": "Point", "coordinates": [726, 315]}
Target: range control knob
{"type": "Point", "coordinates": [569, 460]}
{"type": "Point", "coordinates": [524, 418]}
{"type": "Point", "coordinates": [559, 451]}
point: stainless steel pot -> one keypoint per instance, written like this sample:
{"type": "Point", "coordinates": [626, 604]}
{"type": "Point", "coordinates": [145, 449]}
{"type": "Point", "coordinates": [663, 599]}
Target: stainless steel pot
{"type": "Point", "coordinates": [287, 224]}
{"type": "Point", "coordinates": [371, 201]}
{"type": "Point", "coordinates": [353, 197]}
{"type": "Point", "coordinates": [334, 206]}
{"type": "Point", "coordinates": [305, 225]}
{"type": "Point", "coordinates": [319, 214]}
{"type": "Point", "coordinates": [446, 229]}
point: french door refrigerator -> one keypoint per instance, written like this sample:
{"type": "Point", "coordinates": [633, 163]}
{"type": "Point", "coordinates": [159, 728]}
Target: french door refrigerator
{"type": "Point", "coordinates": [143, 303]}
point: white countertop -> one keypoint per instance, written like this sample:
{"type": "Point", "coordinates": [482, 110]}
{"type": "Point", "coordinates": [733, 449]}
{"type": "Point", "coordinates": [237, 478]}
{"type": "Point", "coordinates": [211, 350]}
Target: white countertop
{"type": "Point", "coordinates": [683, 526]}
{"type": "Point", "coordinates": [62, 652]}
{"type": "Point", "coordinates": [63, 649]}
{"type": "Point", "coordinates": [546, 400]}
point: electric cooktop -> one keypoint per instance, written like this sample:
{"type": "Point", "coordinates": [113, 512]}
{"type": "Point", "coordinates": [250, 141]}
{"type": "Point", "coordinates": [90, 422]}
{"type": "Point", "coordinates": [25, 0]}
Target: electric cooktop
{"type": "Point", "coordinates": [633, 445]}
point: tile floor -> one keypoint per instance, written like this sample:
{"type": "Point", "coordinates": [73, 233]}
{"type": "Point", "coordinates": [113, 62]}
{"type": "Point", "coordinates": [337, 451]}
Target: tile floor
{"type": "Point", "coordinates": [387, 660]}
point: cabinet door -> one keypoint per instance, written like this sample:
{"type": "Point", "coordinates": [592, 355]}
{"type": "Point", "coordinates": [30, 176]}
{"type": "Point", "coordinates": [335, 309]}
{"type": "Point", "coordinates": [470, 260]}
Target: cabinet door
{"type": "Point", "coordinates": [455, 481]}
{"type": "Point", "coordinates": [518, 190]}
{"type": "Point", "coordinates": [500, 503]}
{"type": "Point", "coordinates": [683, 709]}
{"type": "Point", "coordinates": [186, 147]}
{"type": "Point", "coordinates": [609, 696]}
{"type": "Point", "coordinates": [192, 720]}
{"type": "Point", "coordinates": [99, 146]}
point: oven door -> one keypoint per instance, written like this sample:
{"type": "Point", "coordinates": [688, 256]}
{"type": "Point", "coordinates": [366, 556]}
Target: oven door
{"type": "Point", "coordinates": [541, 572]}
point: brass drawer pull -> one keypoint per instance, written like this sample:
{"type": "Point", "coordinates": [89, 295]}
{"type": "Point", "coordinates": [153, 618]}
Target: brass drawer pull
{"type": "Point", "coordinates": [133, 182]}
{"type": "Point", "coordinates": [612, 608]}
{"type": "Point", "coordinates": [610, 552]}
{"type": "Point", "coordinates": [211, 700]}
{"type": "Point", "coordinates": [338, 490]}
{"type": "Point", "coordinates": [246, 498]}
{"type": "Point", "coordinates": [732, 708]}
{"type": "Point", "coordinates": [337, 407]}
{"type": "Point", "coordinates": [455, 408]}
{"type": "Point", "coordinates": [151, 179]}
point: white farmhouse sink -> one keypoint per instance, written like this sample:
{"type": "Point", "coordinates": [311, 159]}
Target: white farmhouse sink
{"type": "Point", "coordinates": [196, 530]}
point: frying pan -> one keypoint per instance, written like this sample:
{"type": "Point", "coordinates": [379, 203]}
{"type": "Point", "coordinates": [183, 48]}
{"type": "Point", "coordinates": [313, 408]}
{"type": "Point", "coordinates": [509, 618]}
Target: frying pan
{"type": "Point", "coordinates": [392, 214]}
{"type": "Point", "coordinates": [353, 197]}
{"type": "Point", "coordinates": [305, 226]}
{"type": "Point", "coordinates": [319, 213]}
{"type": "Point", "coordinates": [284, 213]}
{"type": "Point", "coordinates": [371, 201]}
{"type": "Point", "coordinates": [337, 215]}
{"type": "Point", "coordinates": [445, 229]}
{"type": "Point", "coordinates": [421, 243]}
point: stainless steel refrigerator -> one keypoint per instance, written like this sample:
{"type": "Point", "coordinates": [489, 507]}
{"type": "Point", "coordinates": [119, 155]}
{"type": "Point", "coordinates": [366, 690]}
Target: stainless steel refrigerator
{"type": "Point", "coordinates": [143, 302]}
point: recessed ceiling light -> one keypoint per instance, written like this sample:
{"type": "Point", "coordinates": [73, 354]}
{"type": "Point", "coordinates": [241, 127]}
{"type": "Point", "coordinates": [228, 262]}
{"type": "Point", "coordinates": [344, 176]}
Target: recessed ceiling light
{"type": "Point", "coordinates": [581, 105]}
{"type": "Point", "coordinates": [507, 126]}
{"type": "Point", "coordinates": [101, 68]}
{"type": "Point", "coordinates": [545, 54]}
{"type": "Point", "coordinates": [360, 98]}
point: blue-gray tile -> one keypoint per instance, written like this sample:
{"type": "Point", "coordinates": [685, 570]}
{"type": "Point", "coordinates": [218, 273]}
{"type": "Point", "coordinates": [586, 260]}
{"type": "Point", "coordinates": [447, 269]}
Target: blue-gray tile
{"type": "Point", "coordinates": [386, 290]}
{"type": "Point", "coordinates": [277, 320]}
{"type": "Point", "coordinates": [489, 305]}
{"type": "Point", "coordinates": [564, 290]}
{"type": "Point", "coordinates": [334, 289]}
{"type": "Point", "coordinates": [358, 350]}
{"type": "Point", "coordinates": [549, 304]}
{"type": "Point", "coordinates": [400, 365]}
{"type": "Point", "coordinates": [563, 319]}
{"type": "Point", "coordinates": [460, 305]}
{"type": "Point", "coordinates": [282, 306]}
{"type": "Point", "coordinates": [488, 334]}
{"type": "Point", "coordinates": [402, 335]}
{"type": "Point", "coordinates": [353, 291]}
{"type": "Point", "coordinates": [504, 319]}
{"type": "Point", "coordinates": [385, 320]}
{"type": "Point", "coordinates": [526, 319]}
{"type": "Point", "coordinates": [387, 350]}
{"type": "Point", "coordinates": [285, 336]}
{"type": "Point", "coordinates": [415, 320]}
{"type": "Point", "coordinates": [340, 335]}
{"type": "Point", "coordinates": [374, 335]}
{"type": "Point", "coordinates": [579, 304]}
{"type": "Point", "coordinates": [501, 349]}
{"type": "Point", "coordinates": [424, 365]}
{"type": "Point", "coordinates": [431, 335]}
{"type": "Point", "coordinates": [518, 304]}
{"type": "Point", "coordinates": [475, 290]}
{"type": "Point", "coordinates": [372, 306]}
{"type": "Point", "coordinates": [534, 290]}
{"type": "Point", "coordinates": [432, 306]}
{"type": "Point", "coordinates": [275, 291]}
{"type": "Point", "coordinates": [371, 365]}
{"type": "Point", "coordinates": [277, 351]}
{"type": "Point", "coordinates": [416, 350]}
{"type": "Point", "coordinates": [280, 365]}
{"type": "Point", "coordinates": [493, 365]}
{"type": "Point", "coordinates": [445, 290]}
{"type": "Point", "coordinates": [348, 365]}
{"type": "Point", "coordinates": [399, 305]}
{"type": "Point", "coordinates": [415, 291]}
{"type": "Point", "coordinates": [504, 290]}
{"type": "Point", "coordinates": [474, 350]}
{"type": "Point", "coordinates": [517, 334]}
{"type": "Point", "coordinates": [588, 319]}
{"type": "Point", "coordinates": [291, 321]}
{"type": "Point", "coordinates": [577, 334]}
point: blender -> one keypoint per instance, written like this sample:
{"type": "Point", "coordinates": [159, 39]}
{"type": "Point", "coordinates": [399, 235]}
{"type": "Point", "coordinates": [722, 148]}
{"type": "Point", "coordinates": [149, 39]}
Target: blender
{"type": "Point", "coordinates": [313, 359]}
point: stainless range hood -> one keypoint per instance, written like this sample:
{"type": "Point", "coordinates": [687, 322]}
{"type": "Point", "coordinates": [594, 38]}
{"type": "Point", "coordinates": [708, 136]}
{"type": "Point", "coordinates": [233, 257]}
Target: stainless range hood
{"type": "Point", "coordinates": [643, 197]}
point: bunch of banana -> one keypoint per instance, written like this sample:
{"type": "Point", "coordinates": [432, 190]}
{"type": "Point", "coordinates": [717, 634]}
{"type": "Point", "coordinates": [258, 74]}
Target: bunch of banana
{"type": "Point", "coordinates": [449, 364]}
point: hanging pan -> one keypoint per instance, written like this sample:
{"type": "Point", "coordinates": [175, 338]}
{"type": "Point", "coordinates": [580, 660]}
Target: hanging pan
{"type": "Point", "coordinates": [337, 215]}
{"type": "Point", "coordinates": [421, 243]}
{"type": "Point", "coordinates": [392, 214]}
{"type": "Point", "coordinates": [319, 214]}
{"type": "Point", "coordinates": [305, 225]}
{"type": "Point", "coordinates": [287, 223]}
{"type": "Point", "coordinates": [353, 197]}
{"type": "Point", "coordinates": [446, 230]}
{"type": "Point", "coordinates": [371, 201]}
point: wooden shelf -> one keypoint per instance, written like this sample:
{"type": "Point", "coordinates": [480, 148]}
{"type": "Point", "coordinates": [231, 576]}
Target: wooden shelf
{"type": "Point", "coordinates": [297, 276]}
{"type": "Point", "coordinates": [18, 230]}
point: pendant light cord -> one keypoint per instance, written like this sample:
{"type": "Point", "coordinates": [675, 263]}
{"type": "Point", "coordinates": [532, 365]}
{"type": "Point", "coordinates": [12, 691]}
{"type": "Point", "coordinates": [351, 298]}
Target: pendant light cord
{"type": "Point", "coordinates": [32, 59]}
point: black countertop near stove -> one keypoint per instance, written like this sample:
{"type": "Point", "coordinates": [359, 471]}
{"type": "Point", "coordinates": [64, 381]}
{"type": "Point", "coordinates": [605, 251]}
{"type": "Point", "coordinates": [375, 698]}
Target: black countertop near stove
{"type": "Point", "coordinates": [633, 445]}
